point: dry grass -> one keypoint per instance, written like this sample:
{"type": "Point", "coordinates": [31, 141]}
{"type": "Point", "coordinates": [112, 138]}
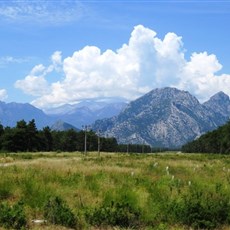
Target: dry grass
{"type": "Point", "coordinates": [86, 181]}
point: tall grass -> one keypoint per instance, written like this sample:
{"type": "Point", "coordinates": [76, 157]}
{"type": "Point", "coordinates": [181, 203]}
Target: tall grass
{"type": "Point", "coordinates": [155, 191]}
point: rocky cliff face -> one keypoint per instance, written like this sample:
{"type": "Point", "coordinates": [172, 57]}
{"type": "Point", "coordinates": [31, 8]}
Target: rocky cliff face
{"type": "Point", "coordinates": [166, 117]}
{"type": "Point", "coordinates": [219, 104]}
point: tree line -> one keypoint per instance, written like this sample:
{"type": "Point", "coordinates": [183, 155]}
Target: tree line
{"type": "Point", "coordinates": [216, 141]}
{"type": "Point", "coordinates": [25, 137]}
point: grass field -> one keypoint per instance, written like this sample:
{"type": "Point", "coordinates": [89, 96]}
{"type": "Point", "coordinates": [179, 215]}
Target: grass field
{"type": "Point", "coordinates": [114, 191]}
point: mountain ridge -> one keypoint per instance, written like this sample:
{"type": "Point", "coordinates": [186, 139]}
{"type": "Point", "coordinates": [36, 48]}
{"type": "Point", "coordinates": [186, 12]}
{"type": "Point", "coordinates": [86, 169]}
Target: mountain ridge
{"type": "Point", "coordinates": [11, 113]}
{"type": "Point", "coordinates": [165, 117]}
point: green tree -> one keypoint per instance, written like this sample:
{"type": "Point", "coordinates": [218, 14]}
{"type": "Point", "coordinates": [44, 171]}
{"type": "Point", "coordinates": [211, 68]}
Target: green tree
{"type": "Point", "coordinates": [48, 139]}
{"type": "Point", "coordinates": [20, 136]}
{"type": "Point", "coordinates": [216, 141]}
{"type": "Point", "coordinates": [7, 142]}
{"type": "Point", "coordinates": [32, 136]}
{"type": "Point", "coordinates": [109, 144]}
{"type": "Point", "coordinates": [58, 140]}
{"type": "Point", "coordinates": [1, 134]}
{"type": "Point", "coordinates": [70, 140]}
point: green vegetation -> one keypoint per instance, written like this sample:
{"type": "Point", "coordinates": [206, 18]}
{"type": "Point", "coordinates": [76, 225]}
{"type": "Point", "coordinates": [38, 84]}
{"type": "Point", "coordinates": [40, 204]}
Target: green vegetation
{"type": "Point", "coordinates": [126, 191]}
{"type": "Point", "coordinates": [26, 138]}
{"type": "Point", "coordinates": [57, 212]}
{"type": "Point", "coordinates": [217, 141]}
{"type": "Point", "coordinates": [12, 217]}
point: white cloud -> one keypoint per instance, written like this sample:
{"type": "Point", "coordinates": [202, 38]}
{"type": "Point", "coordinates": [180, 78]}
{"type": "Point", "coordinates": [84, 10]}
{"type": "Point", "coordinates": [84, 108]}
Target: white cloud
{"type": "Point", "coordinates": [3, 94]}
{"type": "Point", "coordinates": [38, 69]}
{"type": "Point", "coordinates": [35, 83]}
{"type": "Point", "coordinates": [199, 76]}
{"type": "Point", "coordinates": [41, 12]}
{"type": "Point", "coordinates": [32, 85]}
{"type": "Point", "coordinates": [4, 61]}
{"type": "Point", "coordinates": [144, 63]}
{"type": "Point", "coordinates": [57, 60]}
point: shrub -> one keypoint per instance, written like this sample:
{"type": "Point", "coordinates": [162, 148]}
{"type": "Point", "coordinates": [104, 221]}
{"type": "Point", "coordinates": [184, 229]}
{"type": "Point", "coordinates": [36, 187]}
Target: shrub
{"type": "Point", "coordinates": [120, 214]}
{"type": "Point", "coordinates": [5, 190]}
{"type": "Point", "coordinates": [12, 217]}
{"type": "Point", "coordinates": [34, 191]}
{"type": "Point", "coordinates": [201, 209]}
{"type": "Point", "coordinates": [57, 212]}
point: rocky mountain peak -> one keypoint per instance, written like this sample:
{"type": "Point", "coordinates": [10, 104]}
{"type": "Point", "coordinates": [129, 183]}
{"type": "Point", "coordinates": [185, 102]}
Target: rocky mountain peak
{"type": "Point", "coordinates": [221, 95]}
{"type": "Point", "coordinates": [62, 126]}
{"type": "Point", "coordinates": [169, 94]}
{"type": "Point", "coordinates": [166, 117]}
{"type": "Point", "coordinates": [219, 103]}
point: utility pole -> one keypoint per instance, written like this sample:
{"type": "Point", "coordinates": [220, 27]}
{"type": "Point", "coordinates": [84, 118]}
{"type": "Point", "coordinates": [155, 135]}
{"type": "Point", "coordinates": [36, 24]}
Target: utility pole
{"type": "Point", "coordinates": [85, 128]}
{"type": "Point", "coordinates": [98, 142]}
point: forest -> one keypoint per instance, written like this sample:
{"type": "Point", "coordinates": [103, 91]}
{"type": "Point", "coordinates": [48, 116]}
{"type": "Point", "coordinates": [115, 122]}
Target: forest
{"type": "Point", "coordinates": [25, 137]}
{"type": "Point", "coordinates": [216, 141]}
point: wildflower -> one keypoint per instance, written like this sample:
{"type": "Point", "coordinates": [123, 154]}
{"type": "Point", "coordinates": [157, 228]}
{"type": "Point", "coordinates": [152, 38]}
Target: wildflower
{"type": "Point", "coordinates": [167, 170]}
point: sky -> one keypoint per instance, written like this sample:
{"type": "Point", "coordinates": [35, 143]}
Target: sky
{"type": "Point", "coordinates": [58, 52]}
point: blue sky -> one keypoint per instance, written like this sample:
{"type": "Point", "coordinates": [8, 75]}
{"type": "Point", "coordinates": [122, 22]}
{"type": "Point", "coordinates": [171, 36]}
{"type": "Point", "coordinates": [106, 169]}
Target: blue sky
{"type": "Point", "coordinates": [57, 52]}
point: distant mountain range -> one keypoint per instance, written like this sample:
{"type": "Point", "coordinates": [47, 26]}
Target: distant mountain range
{"type": "Point", "coordinates": [166, 117]}
{"type": "Point", "coordinates": [87, 112]}
{"type": "Point", "coordinates": [83, 113]}
{"type": "Point", "coordinates": [10, 113]}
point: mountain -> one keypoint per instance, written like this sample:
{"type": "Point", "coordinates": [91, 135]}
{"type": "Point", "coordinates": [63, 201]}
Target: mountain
{"type": "Point", "coordinates": [166, 117]}
{"type": "Point", "coordinates": [62, 126]}
{"type": "Point", "coordinates": [12, 112]}
{"type": "Point", "coordinates": [86, 112]}
{"type": "Point", "coordinates": [219, 104]}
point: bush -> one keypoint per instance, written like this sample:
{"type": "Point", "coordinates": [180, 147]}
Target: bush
{"type": "Point", "coordinates": [120, 207]}
{"type": "Point", "coordinates": [12, 217]}
{"type": "Point", "coordinates": [5, 190]}
{"type": "Point", "coordinates": [34, 191]}
{"type": "Point", "coordinates": [57, 212]}
{"type": "Point", "coordinates": [120, 214]}
{"type": "Point", "coordinates": [201, 209]}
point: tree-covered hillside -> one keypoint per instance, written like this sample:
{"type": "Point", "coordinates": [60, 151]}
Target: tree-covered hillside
{"type": "Point", "coordinates": [217, 141]}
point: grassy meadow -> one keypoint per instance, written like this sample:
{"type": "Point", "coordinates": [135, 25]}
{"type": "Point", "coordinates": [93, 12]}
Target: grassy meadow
{"type": "Point", "coordinates": [114, 191]}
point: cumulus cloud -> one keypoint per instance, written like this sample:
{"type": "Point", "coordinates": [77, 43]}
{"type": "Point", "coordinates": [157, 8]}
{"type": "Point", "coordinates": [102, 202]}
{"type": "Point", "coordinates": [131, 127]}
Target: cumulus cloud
{"type": "Point", "coordinates": [3, 94]}
{"type": "Point", "coordinates": [56, 59]}
{"type": "Point", "coordinates": [199, 76]}
{"type": "Point", "coordinates": [35, 83]}
{"type": "Point", "coordinates": [144, 63]}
